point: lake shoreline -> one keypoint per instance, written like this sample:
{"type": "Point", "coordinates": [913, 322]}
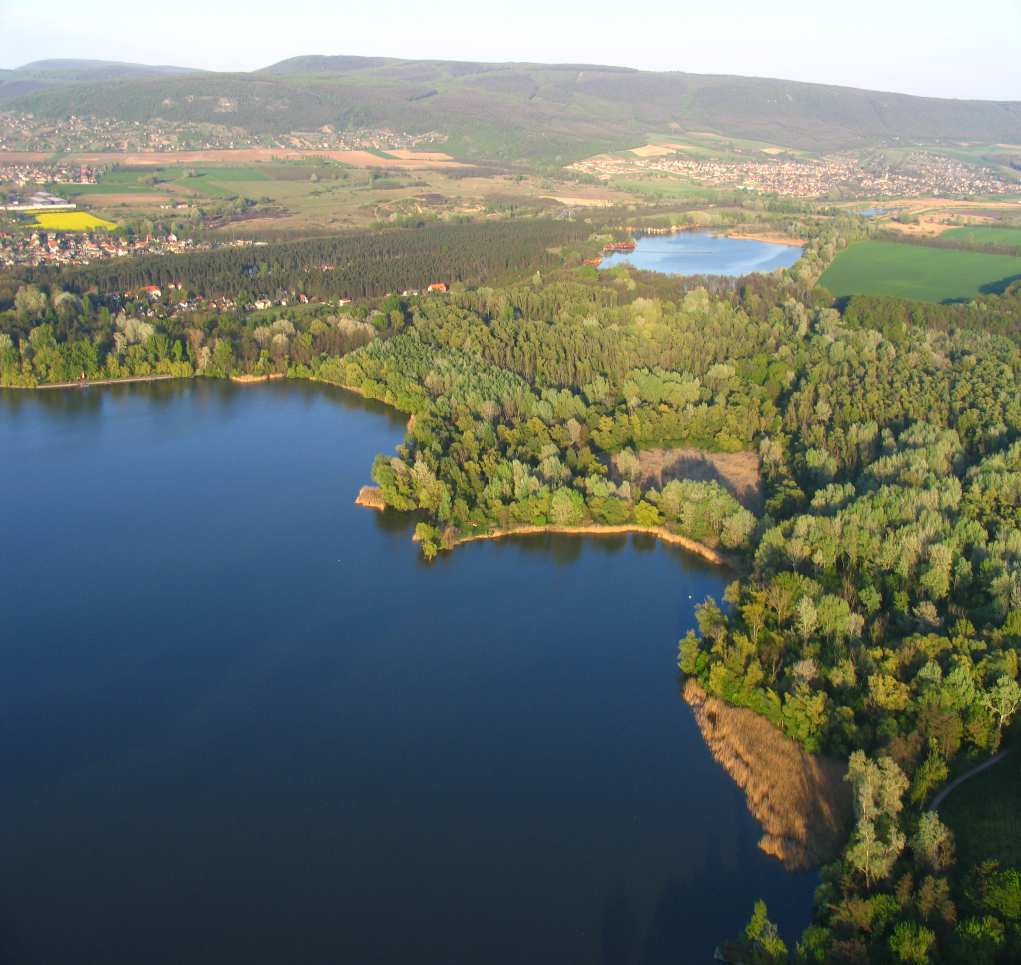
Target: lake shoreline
{"type": "Point", "coordinates": [769, 237]}
{"type": "Point", "coordinates": [254, 379]}
{"type": "Point", "coordinates": [370, 497]}
{"type": "Point", "coordinates": [594, 529]}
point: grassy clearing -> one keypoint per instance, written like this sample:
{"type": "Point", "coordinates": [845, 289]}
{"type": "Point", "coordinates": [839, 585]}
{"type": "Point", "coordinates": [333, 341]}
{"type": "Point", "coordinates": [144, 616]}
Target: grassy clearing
{"type": "Point", "coordinates": [913, 271]}
{"type": "Point", "coordinates": [72, 221]}
{"type": "Point", "coordinates": [90, 190]}
{"type": "Point", "coordinates": [665, 187]}
{"type": "Point", "coordinates": [983, 814]}
{"type": "Point", "coordinates": [800, 799]}
{"type": "Point", "coordinates": [982, 235]}
{"type": "Point", "coordinates": [114, 182]}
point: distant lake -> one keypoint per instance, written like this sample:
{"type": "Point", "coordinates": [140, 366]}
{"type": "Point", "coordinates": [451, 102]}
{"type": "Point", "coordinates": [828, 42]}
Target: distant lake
{"type": "Point", "coordinates": [702, 253]}
{"type": "Point", "coordinates": [241, 720]}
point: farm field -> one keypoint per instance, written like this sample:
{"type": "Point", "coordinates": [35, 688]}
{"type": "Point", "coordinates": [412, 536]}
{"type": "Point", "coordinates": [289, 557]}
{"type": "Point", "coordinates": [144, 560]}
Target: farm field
{"type": "Point", "coordinates": [921, 273]}
{"type": "Point", "coordinates": [986, 235]}
{"type": "Point", "coordinates": [318, 195]}
{"type": "Point", "coordinates": [72, 221]}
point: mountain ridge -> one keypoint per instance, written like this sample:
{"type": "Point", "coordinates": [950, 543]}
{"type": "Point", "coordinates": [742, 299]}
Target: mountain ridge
{"type": "Point", "coordinates": [508, 110]}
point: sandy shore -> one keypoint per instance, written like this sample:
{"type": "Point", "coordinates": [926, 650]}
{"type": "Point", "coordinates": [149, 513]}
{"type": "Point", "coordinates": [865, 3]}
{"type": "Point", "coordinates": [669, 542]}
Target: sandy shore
{"type": "Point", "coordinates": [370, 497]}
{"type": "Point", "coordinates": [772, 237]}
{"type": "Point", "coordinates": [251, 379]}
{"type": "Point", "coordinates": [660, 532]}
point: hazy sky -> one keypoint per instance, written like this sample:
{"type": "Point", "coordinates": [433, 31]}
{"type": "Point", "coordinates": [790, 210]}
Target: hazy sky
{"type": "Point", "coordinates": [939, 47]}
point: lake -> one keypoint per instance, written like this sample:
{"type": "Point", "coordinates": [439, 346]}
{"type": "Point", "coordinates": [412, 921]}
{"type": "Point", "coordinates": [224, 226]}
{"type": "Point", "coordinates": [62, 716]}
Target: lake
{"type": "Point", "coordinates": [703, 253]}
{"type": "Point", "coordinates": [243, 721]}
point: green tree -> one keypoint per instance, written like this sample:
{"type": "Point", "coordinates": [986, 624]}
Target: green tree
{"type": "Point", "coordinates": [911, 942]}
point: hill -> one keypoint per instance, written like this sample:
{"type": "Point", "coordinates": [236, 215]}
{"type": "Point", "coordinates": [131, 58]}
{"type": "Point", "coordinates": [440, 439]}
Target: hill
{"type": "Point", "coordinates": [555, 112]}
{"type": "Point", "coordinates": [67, 70]}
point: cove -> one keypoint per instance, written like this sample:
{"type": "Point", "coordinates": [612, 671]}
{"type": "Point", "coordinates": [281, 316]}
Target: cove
{"type": "Point", "coordinates": [243, 721]}
{"type": "Point", "coordinates": [704, 253]}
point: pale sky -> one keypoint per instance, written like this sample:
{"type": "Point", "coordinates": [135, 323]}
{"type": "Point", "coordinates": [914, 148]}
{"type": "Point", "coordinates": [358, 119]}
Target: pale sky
{"type": "Point", "coordinates": [942, 48]}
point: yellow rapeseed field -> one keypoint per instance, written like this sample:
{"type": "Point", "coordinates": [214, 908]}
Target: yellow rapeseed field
{"type": "Point", "coordinates": [72, 221]}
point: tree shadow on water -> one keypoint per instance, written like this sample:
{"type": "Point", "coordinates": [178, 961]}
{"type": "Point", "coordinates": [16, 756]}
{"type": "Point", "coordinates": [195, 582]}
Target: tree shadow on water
{"type": "Point", "coordinates": [619, 931]}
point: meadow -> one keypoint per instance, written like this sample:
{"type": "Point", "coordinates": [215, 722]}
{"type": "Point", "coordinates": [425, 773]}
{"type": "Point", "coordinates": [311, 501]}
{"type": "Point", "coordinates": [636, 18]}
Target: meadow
{"type": "Point", "coordinates": [986, 235]}
{"type": "Point", "coordinates": [983, 814]}
{"type": "Point", "coordinates": [72, 221]}
{"type": "Point", "coordinates": [918, 272]}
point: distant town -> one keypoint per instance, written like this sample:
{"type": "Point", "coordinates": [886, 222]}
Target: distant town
{"type": "Point", "coordinates": [920, 174]}
{"type": "Point", "coordinates": [39, 247]}
{"type": "Point", "coordinates": [23, 132]}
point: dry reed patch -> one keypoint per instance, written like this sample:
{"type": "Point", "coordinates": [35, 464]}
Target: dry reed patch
{"type": "Point", "coordinates": [371, 497]}
{"type": "Point", "coordinates": [801, 800]}
{"type": "Point", "coordinates": [737, 472]}
{"type": "Point", "coordinates": [577, 202]}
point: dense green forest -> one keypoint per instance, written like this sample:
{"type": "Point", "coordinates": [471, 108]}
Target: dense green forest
{"type": "Point", "coordinates": [352, 265]}
{"type": "Point", "coordinates": [877, 616]}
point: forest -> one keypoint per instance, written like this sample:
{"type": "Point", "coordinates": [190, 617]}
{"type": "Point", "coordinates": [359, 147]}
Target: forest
{"type": "Point", "coordinates": [876, 613]}
{"type": "Point", "coordinates": [352, 265]}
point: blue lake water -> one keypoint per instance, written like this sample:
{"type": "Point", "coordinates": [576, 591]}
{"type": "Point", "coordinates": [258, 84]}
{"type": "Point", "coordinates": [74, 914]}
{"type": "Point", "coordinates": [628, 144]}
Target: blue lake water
{"type": "Point", "coordinates": [702, 253]}
{"type": "Point", "coordinates": [242, 721]}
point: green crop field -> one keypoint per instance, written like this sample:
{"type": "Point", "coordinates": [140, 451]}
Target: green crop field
{"type": "Point", "coordinates": [113, 182]}
{"type": "Point", "coordinates": [982, 235]}
{"type": "Point", "coordinates": [914, 271]}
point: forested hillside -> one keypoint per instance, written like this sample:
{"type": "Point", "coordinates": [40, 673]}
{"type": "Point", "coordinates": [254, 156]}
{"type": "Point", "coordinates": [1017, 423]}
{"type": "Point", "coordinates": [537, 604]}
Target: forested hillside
{"type": "Point", "coordinates": [517, 110]}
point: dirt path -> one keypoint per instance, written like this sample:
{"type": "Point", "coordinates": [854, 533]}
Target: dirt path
{"type": "Point", "coordinates": [967, 776]}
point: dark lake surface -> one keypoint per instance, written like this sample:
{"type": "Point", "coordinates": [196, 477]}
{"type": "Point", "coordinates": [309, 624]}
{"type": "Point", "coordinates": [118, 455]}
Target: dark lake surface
{"type": "Point", "coordinates": [242, 721]}
{"type": "Point", "coordinates": [702, 253]}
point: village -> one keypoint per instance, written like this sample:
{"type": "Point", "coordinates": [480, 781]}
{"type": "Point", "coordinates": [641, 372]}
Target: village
{"type": "Point", "coordinates": [920, 174]}
{"type": "Point", "coordinates": [22, 173]}
{"type": "Point", "coordinates": [39, 247]}
{"type": "Point", "coordinates": [23, 132]}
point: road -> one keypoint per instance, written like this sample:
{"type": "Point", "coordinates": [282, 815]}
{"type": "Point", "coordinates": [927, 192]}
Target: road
{"type": "Point", "coordinates": [967, 776]}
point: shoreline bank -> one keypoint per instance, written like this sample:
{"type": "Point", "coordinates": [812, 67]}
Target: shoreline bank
{"type": "Point", "coordinates": [593, 529]}
{"type": "Point", "coordinates": [371, 498]}
{"type": "Point", "coordinates": [253, 379]}
{"type": "Point", "coordinates": [90, 382]}
{"type": "Point", "coordinates": [770, 237]}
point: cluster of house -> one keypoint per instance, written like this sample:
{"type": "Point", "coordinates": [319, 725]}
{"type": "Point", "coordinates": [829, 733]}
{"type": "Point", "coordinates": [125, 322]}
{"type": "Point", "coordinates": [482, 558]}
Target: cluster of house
{"type": "Point", "coordinates": [165, 302]}
{"type": "Point", "coordinates": [920, 174]}
{"type": "Point", "coordinates": [82, 248]}
{"type": "Point", "coordinates": [28, 172]}
{"type": "Point", "coordinates": [436, 288]}
{"type": "Point", "coordinates": [21, 131]}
